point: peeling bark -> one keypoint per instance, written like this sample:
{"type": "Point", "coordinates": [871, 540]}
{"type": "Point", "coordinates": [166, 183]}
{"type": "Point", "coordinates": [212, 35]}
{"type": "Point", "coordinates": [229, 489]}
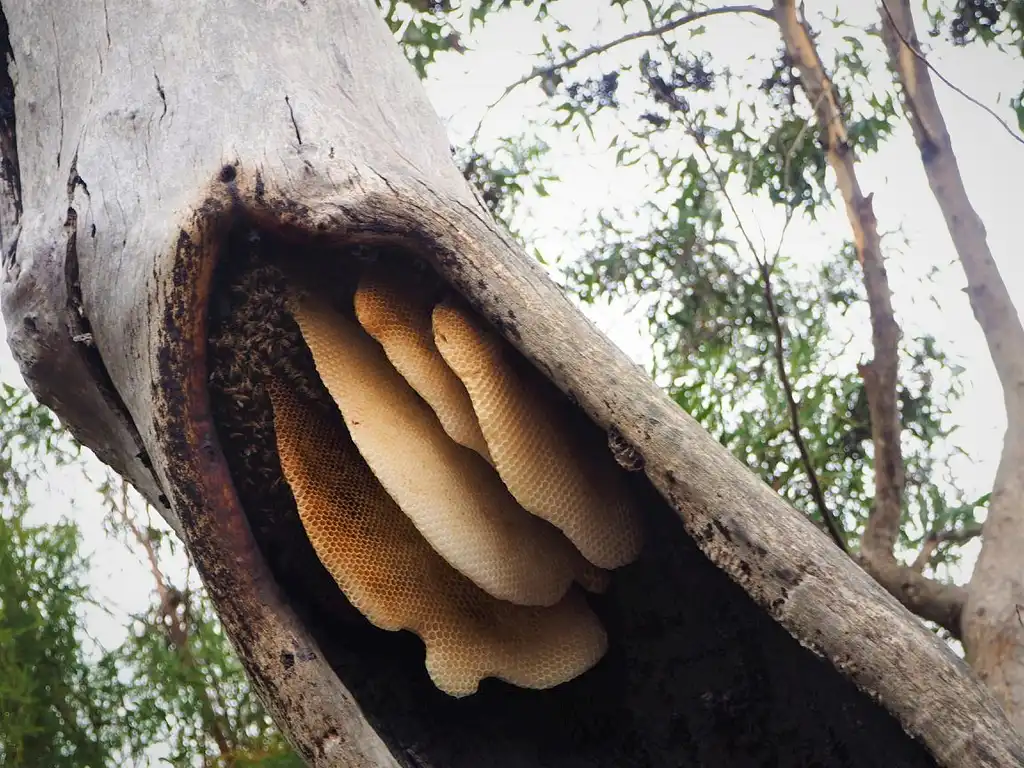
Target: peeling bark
{"type": "Point", "coordinates": [176, 134]}
{"type": "Point", "coordinates": [993, 631]}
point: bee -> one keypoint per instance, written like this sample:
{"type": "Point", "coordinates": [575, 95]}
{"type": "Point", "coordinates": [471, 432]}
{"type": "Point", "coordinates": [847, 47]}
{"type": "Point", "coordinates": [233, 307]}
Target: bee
{"type": "Point", "coordinates": [625, 453]}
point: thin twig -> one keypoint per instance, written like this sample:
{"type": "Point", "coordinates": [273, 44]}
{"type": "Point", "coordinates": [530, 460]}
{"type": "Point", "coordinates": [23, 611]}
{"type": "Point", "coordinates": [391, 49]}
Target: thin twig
{"type": "Point", "coordinates": [937, 538]}
{"type": "Point", "coordinates": [924, 60]}
{"type": "Point", "coordinates": [595, 50]}
{"type": "Point", "coordinates": [765, 266]}
{"type": "Point", "coordinates": [881, 374]}
{"type": "Point", "coordinates": [176, 628]}
{"type": "Point", "coordinates": [790, 212]}
{"type": "Point", "coordinates": [162, 585]}
{"type": "Point", "coordinates": [831, 523]}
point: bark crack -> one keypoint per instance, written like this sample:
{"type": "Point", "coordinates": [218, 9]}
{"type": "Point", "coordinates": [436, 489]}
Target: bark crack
{"type": "Point", "coordinates": [295, 124]}
{"type": "Point", "coordinates": [10, 171]}
{"type": "Point", "coordinates": [79, 326]}
{"type": "Point", "coordinates": [106, 22]}
{"type": "Point", "coordinates": [163, 94]}
{"type": "Point", "coordinates": [60, 91]}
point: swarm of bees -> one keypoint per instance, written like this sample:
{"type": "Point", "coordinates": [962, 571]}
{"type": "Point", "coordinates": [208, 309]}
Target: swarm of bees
{"type": "Point", "coordinates": [435, 473]}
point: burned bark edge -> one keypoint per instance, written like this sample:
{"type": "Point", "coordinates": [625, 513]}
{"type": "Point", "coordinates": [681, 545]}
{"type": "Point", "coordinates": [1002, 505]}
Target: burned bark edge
{"type": "Point", "coordinates": [288, 670]}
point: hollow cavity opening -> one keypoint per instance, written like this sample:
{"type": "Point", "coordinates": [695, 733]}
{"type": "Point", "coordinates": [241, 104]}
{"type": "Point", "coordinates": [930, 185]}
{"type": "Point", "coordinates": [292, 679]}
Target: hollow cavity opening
{"type": "Point", "coordinates": [692, 672]}
{"type": "Point", "coordinates": [447, 488]}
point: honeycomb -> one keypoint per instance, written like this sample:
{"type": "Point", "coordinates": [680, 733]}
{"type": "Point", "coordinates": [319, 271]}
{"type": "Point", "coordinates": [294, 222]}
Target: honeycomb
{"type": "Point", "coordinates": [453, 497]}
{"type": "Point", "coordinates": [549, 472]}
{"type": "Point", "coordinates": [397, 315]}
{"type": "Point", "coordinates": [390, 573]}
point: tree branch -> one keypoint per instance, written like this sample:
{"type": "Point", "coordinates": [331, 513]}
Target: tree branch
{"type": "Point", "coordinates": [594, 50]}
{"type": "Point", "coordinates": [992, 636]}
{"type": "Point", "coordinates": [831, 523]}
{"type": "Point", "coordinates": [122, 508]}
{"type": "Point", "coordinates": [988, 294]}
{"type": "Point", "coordinates": [829, 520]}
{"type": "Point", "coordinates": [935, 539]}
{"type": "Point", "coordinates": [889, 25]}
{"type": "Point", "coordinates": [932, 600]}
{"type": "Point", "coordinates": [880, 375]}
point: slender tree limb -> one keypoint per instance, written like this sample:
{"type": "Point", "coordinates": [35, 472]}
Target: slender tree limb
{"type": "Point", "coordinates": [930, 599]}
{"type": "Point", "coordinates": [941, 603]}
{"type": "Point", "coordinates": [595, 50]}
{"type": "Point", "coordinates": [988, 294]}
{"type": "Point", "coordinates": [880, 375]}
{"type": "Point", "coordinates": [765, 265]}
{"type": "Point", "coordinates": [935, 539]}
{"type": "Point", "coordinates": [993, 637]}
{"type": "Point", "coordinates": [163, 588]}
{"type": "Point", "coordinates": [831, 523]}
{"type": "Point", "coordinates": [889, 23]}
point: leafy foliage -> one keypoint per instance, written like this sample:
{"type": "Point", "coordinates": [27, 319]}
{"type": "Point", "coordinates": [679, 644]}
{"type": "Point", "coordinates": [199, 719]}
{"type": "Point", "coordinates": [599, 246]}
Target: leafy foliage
{"type": "Point", "coordinates": [173, 684]}
{"type": "Point", "coordinates": [187, 691]}
{"type": "Point", "coordinates": [503, 176]}
{"type": "Point", "coordinates": [52, 709]}
{"type": "Point", "coordinates": [178, 681]}
{"type": "Point", "coordinates": [424, 30]}
{"type": "Point", "coordinates": [999, 23]}
{"type": "Point", "coordinates": [707, 305]}
{"type": "Point", "coordinates": [30, 441]}
{"type": "Point", "coordinates": [705, 134]}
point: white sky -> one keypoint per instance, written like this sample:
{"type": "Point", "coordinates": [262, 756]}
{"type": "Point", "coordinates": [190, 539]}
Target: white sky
{"type": "Point", "coordinates": [461, 87]}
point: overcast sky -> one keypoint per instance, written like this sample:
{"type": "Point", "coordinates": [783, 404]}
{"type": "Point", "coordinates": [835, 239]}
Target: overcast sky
{"type": "Point", "coordinates": [992, 164]}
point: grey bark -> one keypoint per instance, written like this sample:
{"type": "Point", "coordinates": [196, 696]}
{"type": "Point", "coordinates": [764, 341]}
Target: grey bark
{"type": "Point", "coordinates": [993, 629]}
{"type": "Point", "coordinates": [141, 133]}
{"type": "Point", "coordinates": [930, 599]}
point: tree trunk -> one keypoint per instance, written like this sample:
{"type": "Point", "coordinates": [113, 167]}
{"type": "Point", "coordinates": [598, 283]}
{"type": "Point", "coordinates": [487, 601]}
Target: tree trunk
{"type": "Point", "coordinates": [993, 629]}
{"type": "Point", "coordinates": [151, 143]}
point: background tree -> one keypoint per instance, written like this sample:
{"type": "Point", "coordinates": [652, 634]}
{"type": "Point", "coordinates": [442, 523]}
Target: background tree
{"type": "Point", "coordinates": [186, 693]}
{"type": "Point", "coordinates": [52, 708]}
{"type": "Point", "coordinates": [172, 689]}
{"type": "Point", "coordinates": [799, 366]}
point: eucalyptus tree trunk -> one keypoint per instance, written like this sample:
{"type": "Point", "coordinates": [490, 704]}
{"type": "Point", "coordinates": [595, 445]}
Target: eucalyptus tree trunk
{"type": "Point", "coordinates": [993, 628]}
{"type": "Point", "coordinates": [146, 146]}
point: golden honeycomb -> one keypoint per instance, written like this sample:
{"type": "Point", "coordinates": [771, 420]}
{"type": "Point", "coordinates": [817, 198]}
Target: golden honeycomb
{"type": "Point", "coordinates": [550, 473]}
{"type": "Point", "coordinates": [448, 494]}
{"type": "Point", "coordinates": [451, 494]}
{"type": "Point", "coordinates": [397, 316]}
{"type": "Point", "coordinates": [391, 574]}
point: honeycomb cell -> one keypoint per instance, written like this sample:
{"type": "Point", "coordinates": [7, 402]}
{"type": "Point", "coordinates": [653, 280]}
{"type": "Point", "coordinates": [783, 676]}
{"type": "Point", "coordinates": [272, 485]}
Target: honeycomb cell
{"type": "Point", "coordinates": [569, 482]}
